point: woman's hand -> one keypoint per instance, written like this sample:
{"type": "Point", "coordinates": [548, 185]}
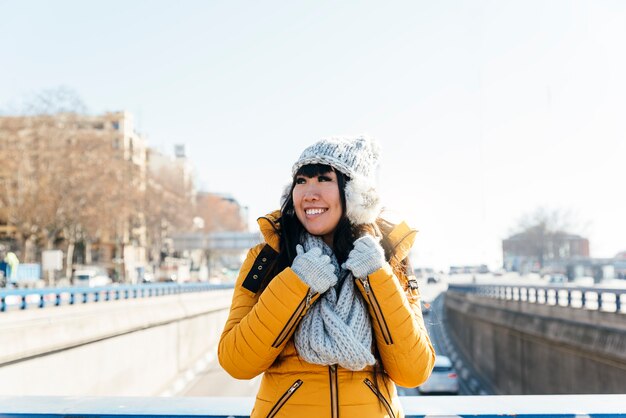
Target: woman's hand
{"type": "Point", "coordinates": [314, 268]}
{"type": "Point", "coordinates": [366, 257]}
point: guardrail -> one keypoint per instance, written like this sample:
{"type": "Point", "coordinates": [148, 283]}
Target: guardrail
{"type": "Point", "coordinates": [592, 298]}
{"type": "Point", "coordinates": [528, 406]}
{"type": "Point", "coordinates": [59, 296]}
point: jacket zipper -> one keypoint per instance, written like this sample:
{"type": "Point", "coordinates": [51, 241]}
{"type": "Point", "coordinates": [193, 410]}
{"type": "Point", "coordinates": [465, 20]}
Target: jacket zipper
{"type": "Point", "coordinates": [380, 397]}
{"type": "Point", "coordinates": [377, 311]}
{"type": "Point", "coordinates": [283, 399]}
{"type": "Point", "coordinates": [294, 319]}
{"type": "Point", "coordinates": [334, 391]}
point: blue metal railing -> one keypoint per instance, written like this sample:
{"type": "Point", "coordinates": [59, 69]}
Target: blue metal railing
{"type": "Point", "coordinates": [530, 406]}
{"type": "Point", "coordinates": [593, 298]}
{"type": "Point", "coordinates": [58, 296]}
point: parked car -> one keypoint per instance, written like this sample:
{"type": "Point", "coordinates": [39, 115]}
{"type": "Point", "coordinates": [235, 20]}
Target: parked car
{"type": "Point", "coordinates": [556, 279]}
{"type": "Point", "coordinates": [443, 378]}
{"type": "Point", "coordinates": [427, 274]}
{"type": "Point", "coordinates": [91, 276]}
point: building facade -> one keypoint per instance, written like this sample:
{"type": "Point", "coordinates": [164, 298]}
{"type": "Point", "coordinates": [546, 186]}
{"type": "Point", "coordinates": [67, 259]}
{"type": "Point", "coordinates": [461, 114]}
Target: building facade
{"type": "Point", "coordinates": [531, 251]}
{"type": "Point", "coordinates": [71, 181]}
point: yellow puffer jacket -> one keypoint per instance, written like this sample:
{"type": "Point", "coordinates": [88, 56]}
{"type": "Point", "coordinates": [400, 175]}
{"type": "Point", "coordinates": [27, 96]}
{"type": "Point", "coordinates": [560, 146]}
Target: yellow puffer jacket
{"type": "Point", "coordinates": [258, 334]}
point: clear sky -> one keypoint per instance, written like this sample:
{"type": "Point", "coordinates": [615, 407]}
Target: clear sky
{"type": "Point", "coordinates": [485, 110]}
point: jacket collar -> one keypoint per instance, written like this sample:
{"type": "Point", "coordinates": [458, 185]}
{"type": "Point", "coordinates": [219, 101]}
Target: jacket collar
{"type": "Point", "coordinates": [270, 228]}
{"type": "Point", "coordinates": [401, 236]}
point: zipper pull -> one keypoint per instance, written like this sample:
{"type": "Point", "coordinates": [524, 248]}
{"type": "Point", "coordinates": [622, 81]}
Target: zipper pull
{"type": "Point", "coordinates": [309, 296]}
{"type": "Point", "coordinates": [295, 386]}
{"type": "Point", "coordinates": [366, 284]}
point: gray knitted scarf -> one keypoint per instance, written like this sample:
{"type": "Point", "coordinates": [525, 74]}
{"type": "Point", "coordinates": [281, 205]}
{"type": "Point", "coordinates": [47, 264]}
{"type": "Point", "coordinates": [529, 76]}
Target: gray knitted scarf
{"type": "Point", "coordinates": [337, 328]}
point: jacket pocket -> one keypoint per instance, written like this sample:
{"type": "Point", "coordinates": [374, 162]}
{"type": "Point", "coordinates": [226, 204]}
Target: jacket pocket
{"type": "Point", "coordinates": [294, 320]}
{"type": "Point", "coordinates": [283, 399]}
{"type": "Point", "coordinates": [378, 313]}
{"type": "Point", "coordinates": [380, 397]}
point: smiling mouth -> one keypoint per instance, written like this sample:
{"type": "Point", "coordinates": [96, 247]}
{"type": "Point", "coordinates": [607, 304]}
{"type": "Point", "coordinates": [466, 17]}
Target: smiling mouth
{"type": "Point", "coordinates": [315, 211]}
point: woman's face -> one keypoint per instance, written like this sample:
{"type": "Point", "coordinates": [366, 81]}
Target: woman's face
{"type": "Point", "coordinates": [318, 204]}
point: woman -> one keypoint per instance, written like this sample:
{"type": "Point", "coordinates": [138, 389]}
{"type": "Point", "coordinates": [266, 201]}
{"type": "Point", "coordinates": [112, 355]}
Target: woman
{"type": "Point", "coordinates": [327, 307]}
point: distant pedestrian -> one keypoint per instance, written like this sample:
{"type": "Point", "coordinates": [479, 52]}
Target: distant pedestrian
{"type": "Point", "coordinates": [327, 307]}
{"type": "Point", "coordinates": [13, 262]}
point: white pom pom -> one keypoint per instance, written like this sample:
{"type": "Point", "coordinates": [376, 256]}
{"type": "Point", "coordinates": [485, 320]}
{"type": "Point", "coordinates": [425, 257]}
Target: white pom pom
{"type": "Point", "coordinates": [362, 202]}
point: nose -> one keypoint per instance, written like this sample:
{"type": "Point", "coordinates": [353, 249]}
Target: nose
{"type": "Point", "coordinates": [311, 193]}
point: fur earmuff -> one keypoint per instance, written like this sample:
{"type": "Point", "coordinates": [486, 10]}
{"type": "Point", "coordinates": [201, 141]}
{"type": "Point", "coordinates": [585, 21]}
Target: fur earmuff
{"type": "Point", "coordinates": [362, 201]}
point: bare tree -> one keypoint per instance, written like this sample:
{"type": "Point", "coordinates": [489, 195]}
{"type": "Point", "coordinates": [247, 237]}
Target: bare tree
{"type": "Point", "coordinates": [543, 235]}
{"type": "Point", "coordinates": [219, 213]}
{"type": "Point", "coordinates": [167, 205]}
{"type": "Point", "coordinates": [64, 180]}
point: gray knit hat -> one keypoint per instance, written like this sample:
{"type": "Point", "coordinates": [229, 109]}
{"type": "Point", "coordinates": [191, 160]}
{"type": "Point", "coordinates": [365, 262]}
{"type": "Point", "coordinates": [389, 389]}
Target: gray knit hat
{"type": "Point", "coordinates": [358, 159]}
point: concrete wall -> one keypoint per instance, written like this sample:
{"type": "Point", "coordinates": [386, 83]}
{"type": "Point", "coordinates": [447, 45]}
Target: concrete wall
{"type": "Point", "coordinates": [118, 348]}
{"type": "Point", "coordinates": [524, 348]}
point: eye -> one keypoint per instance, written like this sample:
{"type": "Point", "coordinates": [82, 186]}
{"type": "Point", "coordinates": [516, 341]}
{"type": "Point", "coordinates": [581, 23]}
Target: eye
{"type": "Point", "coordinates": [300, 180]}
{"type": "Point", "coordinates": [324, 178]}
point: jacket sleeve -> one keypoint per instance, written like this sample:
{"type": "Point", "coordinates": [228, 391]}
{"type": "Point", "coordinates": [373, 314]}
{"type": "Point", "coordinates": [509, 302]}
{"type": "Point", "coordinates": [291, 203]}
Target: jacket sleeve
{"type": "Point", "coordinates": [259, 326]}
{"type": "Point", "coordinates": [406, 351]}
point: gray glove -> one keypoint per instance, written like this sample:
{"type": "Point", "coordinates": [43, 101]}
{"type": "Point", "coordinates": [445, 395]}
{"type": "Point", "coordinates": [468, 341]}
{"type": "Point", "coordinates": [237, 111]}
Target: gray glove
{"type": "Point", "coordinates": [366, 257]}
{"type": "Point", "coordinates": [314, 269]}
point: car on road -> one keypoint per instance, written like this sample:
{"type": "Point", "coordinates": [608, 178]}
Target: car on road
{"type": "Point", "coordinates": [557, 279]}
{"type": "Point", "coordinates": [426, 308]}
{"type": "Point", "coordinates": [91, 276]}
{"type": "Point", "coordinates": [427, 274]}
{"type": "Point", "coordinates": [443, 379]}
